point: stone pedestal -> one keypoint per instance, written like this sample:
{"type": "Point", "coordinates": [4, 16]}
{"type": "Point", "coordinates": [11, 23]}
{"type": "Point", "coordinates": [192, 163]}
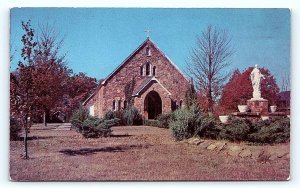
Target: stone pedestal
{"type": "Point", "coordinates": [258, 106]}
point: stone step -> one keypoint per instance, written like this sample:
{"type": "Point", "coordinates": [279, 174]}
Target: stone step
{"type": "Point", "coordinates": [63, 128]}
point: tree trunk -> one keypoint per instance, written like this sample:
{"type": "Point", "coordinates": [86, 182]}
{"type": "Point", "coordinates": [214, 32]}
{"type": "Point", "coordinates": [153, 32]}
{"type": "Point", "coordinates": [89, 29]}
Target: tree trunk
{"type": "Point", "coordinates": [44, 119]}
{"type": "Point", "coordinates": [25, 155]}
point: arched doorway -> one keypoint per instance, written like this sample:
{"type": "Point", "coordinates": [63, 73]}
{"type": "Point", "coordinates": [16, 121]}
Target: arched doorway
{"type": "Point", "coordinates": [153, 105]}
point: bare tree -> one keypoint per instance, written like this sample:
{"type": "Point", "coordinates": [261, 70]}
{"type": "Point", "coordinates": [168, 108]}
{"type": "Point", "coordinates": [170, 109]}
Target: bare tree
{"type": "Point", "coordinates": [207, 62]}
{"type": "Point", "coordinates": [285, 82]}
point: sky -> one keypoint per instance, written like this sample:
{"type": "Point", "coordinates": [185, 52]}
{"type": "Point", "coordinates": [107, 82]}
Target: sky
{"type": "Point", "coordinates": [97, 40]}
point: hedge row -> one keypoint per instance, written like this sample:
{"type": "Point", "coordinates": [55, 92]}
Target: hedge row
{"type": "Point", "coordinates": [188, 123]}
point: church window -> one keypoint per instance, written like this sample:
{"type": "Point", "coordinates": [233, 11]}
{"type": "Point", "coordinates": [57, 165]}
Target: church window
{"type": "Point", "coordinates": [125, 104]}
{"type": "Point", "coordinates": [119, 105]}
{"type": "Point", "coordinates": [148, 51]}
{"type": "Point", "coordinates": [174, 105]}
{"type": "Point", "coordinates": [142, 71]}
{"type": "Point", "coordinates": [154, 71]}
{"type": "Point", "coordinates": [114, 105]}
{"type": "Point", "coordinates": [148, 69]}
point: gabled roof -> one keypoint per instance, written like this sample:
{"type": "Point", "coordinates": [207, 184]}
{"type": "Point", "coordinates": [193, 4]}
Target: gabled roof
{"type": "Point", "coordinates": [145, 83]}
{"type": "Point", "coordinates": [126, 60]}
{"type": "Point", "coordinates": [91, 96]}
{"type": "Point", "coordinates": [134, 52]}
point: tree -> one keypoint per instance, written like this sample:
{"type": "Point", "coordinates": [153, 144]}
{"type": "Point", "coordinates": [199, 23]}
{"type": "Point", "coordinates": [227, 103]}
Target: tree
{"type": "Point", "coordinates": [51, 73]}
{"type": "Point", "coordinates": [79, 87]}
{"type": "Point", "coordinates": [239, 89]}
{"type": "Point", "coordinates": [207, 63]}
{"type": "Point", "coordinates": [190, 96]}
{"type": "Point", "coordinates": [21, 82]}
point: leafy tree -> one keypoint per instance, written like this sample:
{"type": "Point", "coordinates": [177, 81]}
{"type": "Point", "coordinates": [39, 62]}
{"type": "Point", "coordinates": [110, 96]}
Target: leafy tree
{"type": "Point", "coordinates": [79, 87]}
{"type": "Point", "coordinates": [239, 89]}
{"type": "Point", "coordinates": [21, 81]}
{"type": "Point", "coordinates": [51, 73]}
{"type": "Point", "coordinates": [207, 63]}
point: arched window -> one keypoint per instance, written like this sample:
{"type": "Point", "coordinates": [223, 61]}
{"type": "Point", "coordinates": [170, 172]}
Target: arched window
{"type": "Point", "coordinates": [142, 71]}
{"type": "Point", "coordinates": [125, 104]}
{"type": "Point", "coordinates": [148, 67]}
{"type": "Point", "coordinates": [114, 105]}
{"type": "Point", "coordinates": [148, 51]}
{"type": "Point", "coordinates": [119, 105]}
{"type": "Point", "coordinates": [180, 104]}
{"type": "Point", "coordinates": [173, 105]}
{"type": "Point", "coordinates": [154, 71]}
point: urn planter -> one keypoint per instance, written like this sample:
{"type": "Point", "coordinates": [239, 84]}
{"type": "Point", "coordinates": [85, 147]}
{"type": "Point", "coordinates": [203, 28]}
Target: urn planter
{"type": "Point", "coordinates": [223, 119]}
{"type": "Point", "coordinates": [273, 108]}
{"type": "Point", "coordinates": [243, 108]}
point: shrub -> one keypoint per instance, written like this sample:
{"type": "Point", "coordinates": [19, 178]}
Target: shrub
{"type": "Point", "coordinates": [185, 122]}
{"type": "Point", "coordinates": [15, 129]}
{"type": "Point", "coordinates": [165, 119]}
{"type": "Point", "coordinates": [236, 130]}
{"type": "Point", "coordinates": [132, 116]}
{"type": "Point", "coordinates": [92, 127]}
{"type": "Point", "coordinates": [274, 130]}
{"type": "Point", "coordinates": [208, 128]}
{"type": "Point", "coordinates": [79, 115]}
{"type": "Point", "coordinates": [109, 115]}
{"type": "Point", "coordinates": [129, 116]}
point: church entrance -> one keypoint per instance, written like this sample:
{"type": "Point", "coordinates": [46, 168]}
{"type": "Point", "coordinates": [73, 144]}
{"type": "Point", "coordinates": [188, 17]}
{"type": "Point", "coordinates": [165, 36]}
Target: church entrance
{"type": "Point", "coordinates": [153, 105]}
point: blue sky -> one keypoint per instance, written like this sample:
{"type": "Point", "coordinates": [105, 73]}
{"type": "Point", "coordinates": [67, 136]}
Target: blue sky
{"type": "Point", "coordinates": [98, 40]}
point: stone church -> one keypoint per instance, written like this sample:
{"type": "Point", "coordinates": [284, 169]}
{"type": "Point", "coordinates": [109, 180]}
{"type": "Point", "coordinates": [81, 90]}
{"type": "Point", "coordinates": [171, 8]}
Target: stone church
{"type": "Point", "coordinates": [148, 78]}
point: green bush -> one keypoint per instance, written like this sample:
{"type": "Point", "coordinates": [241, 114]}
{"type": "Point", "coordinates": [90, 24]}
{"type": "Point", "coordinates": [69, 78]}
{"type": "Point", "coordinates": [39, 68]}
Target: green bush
{"type": "Point", "coordinates": [92, 127]}
{"type": "Point", "coordinates": [237, 129]}
{"type": "Point", "coordinates": [208, 128]}
{"type": "Point", "coordinates": [274, 130]}
{"type": "Point", "coordinates": [132, 116]}
{"type": "Point", "coordinates": [15, 129]}
{"type": "Point", "coordinates": [165, 119]}
{"type": "Point", "coordinates": [79, 115]}
{"type": "Point", "coordinates": [185, 122]}
{"type": "Point", "coordinates": [109, 115]}
{"type": "Point", "coordinates": [129, 116]}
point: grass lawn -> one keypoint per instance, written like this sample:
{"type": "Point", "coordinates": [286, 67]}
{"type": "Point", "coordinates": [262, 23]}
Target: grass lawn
{"type": "Point", "coordinates": [132, 153]}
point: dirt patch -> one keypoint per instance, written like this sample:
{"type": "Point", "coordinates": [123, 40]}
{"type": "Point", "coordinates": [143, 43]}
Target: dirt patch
{"type": "Point", "coordinates": [133, 153]}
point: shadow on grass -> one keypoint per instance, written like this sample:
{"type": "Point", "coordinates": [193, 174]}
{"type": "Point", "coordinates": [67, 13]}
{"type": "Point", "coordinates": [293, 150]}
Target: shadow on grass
{"type": "Point", "coordinates": [90, 151]}
{"type": "Point", "coordinates": [120, 135]}
{"type": "Point", "coordinates": [36, 138]}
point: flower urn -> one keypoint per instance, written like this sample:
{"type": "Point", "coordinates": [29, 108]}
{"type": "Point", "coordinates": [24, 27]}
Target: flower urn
{"type": "Point", "coordinates": [273, 108]}
{"type": "Point", "coordinates": [243, 108]}
{"type": "Point", "coordinates": [223, 119]}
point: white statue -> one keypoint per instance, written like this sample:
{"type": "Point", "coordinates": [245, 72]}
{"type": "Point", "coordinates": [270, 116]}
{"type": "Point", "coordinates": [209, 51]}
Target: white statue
{"type": "Point", "coordinates": [256, 78]}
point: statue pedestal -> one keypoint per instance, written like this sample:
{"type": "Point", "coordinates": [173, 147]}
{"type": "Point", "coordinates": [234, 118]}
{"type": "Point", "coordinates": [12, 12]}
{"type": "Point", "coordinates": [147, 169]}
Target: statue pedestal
{"type": "Point", "coordinates": [258, 105]}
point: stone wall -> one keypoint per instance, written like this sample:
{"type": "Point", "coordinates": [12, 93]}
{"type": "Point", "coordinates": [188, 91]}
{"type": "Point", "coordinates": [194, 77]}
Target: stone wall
{"type": "Point", "coordinates": [166, 73]}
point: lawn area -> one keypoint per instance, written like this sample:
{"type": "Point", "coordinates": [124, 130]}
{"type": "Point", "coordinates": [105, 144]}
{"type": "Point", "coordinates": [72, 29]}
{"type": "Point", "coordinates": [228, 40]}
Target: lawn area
{"type": "Point", "coordinates": [133, 153]}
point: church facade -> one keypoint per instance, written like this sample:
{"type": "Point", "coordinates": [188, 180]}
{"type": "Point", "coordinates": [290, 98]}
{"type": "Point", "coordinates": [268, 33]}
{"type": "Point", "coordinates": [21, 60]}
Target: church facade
{"type": "Point", "coordinates": [147, 78]}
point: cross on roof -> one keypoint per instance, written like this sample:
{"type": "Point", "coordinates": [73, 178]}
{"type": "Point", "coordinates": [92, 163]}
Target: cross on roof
{"type": "Point", "coordinates": [148, 33]}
